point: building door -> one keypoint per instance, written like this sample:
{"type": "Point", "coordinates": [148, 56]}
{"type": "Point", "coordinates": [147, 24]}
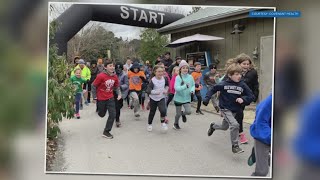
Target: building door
{"type": "Point", "coordinates": [266, 66]}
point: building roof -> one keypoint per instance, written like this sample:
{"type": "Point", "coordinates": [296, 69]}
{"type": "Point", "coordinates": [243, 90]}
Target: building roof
{"type": "Point", "coordinates": [204, 15]}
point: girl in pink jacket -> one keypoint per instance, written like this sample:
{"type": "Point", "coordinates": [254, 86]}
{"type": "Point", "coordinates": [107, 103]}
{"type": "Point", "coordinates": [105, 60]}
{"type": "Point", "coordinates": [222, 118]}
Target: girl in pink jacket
{"type": "Point", "coordinates": [172, 91]}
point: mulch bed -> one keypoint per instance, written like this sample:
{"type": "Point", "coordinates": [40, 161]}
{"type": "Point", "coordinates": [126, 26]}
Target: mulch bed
{"type": "Point", "coordinates": [50, 154]}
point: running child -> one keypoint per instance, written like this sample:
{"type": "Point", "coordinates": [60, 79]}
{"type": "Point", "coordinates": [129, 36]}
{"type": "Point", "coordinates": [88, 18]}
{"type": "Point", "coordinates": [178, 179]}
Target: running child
{"type": "Point", "coordinates": [136, 77]}
{"type": "Point", "coordinates": [159, 63]}
{"type": "Point", "coordinates": [166, 75]}
{"type": "Point", "coordinates": [104, 85]}
{"type": "Point", "coordinates": [124, 88]}
{"type": "Point", "coordinates": [142, 95]}
{"type": "Point", "coordinates": [85, 74]}
{"type": "Point", "coordinates": [184, 88]}
{"type": "Point", "coordinates": [196, 74]}
{"type": "Point", "coordinates": [210, 79]}
{"type": "Point", "coordinates": [100, 69]}
{"type": "Point", "coordinates": [157, 90]}
{"type": "Point", "coordinates": [261, 132]}
{"type": "Point", "coordinates": [233, 94]}
{"type": "Point", "coordinates": [175, 73]}
{"type": "Point", "coordinates": [125, 71]}
{"type": "Point", "coordinates": [250, 77]}
{"type": "Point", "coordinates": [78, 81]}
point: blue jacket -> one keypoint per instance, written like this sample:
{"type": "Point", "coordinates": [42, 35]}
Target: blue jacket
{"type": "Point", "coordinates": [229, 92]}
{"type": "Point", "coordinates": [183, 93]}
{"type": "Point", "coordinates": [307, 141]}
{"type": "Point", "coordinates": [261, 127]}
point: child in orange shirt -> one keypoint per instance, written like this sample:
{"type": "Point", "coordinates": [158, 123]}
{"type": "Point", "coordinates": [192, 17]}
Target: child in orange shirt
{"type": "Point", "coordinates": [136, 77]}
{"type": "Point", "coordinates": [197, 77]}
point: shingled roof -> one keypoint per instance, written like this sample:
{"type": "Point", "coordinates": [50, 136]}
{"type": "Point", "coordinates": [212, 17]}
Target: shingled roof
{"type": "Point", "coordinates": [204, 15]}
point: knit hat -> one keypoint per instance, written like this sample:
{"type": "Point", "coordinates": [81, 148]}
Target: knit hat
{"type": "Point", "coordinates": [183, 63]}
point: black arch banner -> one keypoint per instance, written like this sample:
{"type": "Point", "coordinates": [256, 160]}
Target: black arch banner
{"type": "Point", "coordinates": [78, 15]}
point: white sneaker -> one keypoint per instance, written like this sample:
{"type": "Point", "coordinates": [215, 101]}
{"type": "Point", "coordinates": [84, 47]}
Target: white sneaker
{"type": "Point", "coordinates": [164, 126]}
{"type": "Point", "coordinates": [149, 128]}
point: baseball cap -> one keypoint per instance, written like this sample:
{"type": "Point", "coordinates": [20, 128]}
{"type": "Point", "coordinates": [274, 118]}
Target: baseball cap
{"type": "Point", "coordinates": [81, 61]}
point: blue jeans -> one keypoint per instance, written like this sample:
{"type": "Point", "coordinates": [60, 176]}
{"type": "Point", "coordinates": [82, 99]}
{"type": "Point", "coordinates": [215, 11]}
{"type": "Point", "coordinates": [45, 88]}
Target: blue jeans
{"type": "Point", "coordinates": [77, 99]}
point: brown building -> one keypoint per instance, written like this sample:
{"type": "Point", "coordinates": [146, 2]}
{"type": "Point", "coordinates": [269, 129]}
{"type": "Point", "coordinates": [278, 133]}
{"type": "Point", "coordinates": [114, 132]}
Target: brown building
{"type": "Point", "coordinates": [255, 39]}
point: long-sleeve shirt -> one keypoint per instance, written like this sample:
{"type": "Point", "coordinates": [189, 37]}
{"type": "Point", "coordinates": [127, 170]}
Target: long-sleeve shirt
{"type": "Point", "coordinates": [124, 85]}
{"type": "Point", "coordinates": [171, 85]}
{"type": "Point", "coordinates": [77, 82]}
{"type": "Point", "coordinates": [85, 72]}
{"type": "Point", "coordinates": [197, 79]}
{"type": "Point", "coordinates": [104, 85]}
{"type": "Point", "coordinates": [261, 127]}
{"type": "Point", "coordinates": [184, 86]}
{"type": "Point", "coordinates": [229, 92]}
{"type": "Point", "coordinates": [157, 88]}
{"type": "Point", "coordinates": [251, 79]}
{"type": "Point", "coordinates": [307, 140]}
{"type": "Point", "coordinates": [135, 81]}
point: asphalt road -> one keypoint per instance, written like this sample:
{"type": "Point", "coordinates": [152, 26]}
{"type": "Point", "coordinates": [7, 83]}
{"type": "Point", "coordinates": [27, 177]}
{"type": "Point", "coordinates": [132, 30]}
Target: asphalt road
{"type": "Point", "coordinates": [134, 150]}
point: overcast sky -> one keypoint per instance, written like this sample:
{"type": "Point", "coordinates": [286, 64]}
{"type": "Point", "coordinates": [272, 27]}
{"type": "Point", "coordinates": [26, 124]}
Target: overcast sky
{"type": "Point", "coordinates": [124, 31]}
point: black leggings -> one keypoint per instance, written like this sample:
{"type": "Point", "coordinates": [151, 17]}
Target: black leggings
{"type": "Point", "coordinates": [118, 104]}
{"type": "Point", "coordinates": [161, 105]}
{"type": "Point", "coordinates": [170, 97]}
{"type": "Point", "coordinates": [128, 99]}
{"type": "Point", "coordinates": [239, 117]}
{"type": "Point", "coordinates": [89, 91]}
{"type": "Point", "coordinates": [198, 95]}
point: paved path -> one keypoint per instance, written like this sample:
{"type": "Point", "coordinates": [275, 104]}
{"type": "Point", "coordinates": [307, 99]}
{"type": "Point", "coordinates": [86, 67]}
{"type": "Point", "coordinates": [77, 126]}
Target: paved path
{"type": "Point", "coordinates": [135, 150]}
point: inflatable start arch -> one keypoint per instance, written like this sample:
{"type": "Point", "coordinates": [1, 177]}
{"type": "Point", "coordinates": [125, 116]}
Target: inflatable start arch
{"type": "Point", "coordinates": [74, 18]}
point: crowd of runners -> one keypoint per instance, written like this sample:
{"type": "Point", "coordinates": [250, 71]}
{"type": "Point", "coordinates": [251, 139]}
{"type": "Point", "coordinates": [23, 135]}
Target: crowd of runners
{"type": "Point", "coordinates": [154, 86]}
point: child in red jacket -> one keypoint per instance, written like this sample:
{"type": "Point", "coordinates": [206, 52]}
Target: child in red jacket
{"type": "Point", "coordinates": [104, 85]}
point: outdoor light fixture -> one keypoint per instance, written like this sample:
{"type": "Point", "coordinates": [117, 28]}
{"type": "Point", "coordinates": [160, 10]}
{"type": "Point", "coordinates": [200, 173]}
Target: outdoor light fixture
{"type": "Point", "coordinates": [255, 53]}
{"type": "Point", "coordinates": [238, 29]}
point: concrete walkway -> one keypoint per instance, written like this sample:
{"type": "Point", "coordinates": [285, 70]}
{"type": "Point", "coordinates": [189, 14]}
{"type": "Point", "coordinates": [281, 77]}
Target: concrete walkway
{"type": "Point", "coordinates": [134, 150]}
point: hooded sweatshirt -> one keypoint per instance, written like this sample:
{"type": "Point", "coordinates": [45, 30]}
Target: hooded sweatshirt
{"type": "Point", "coordinates": [184, 86]}
{"type": "Point", "coordinates": [229, 92]}
{"type": "Point", "coordinates": [307, 141]}
{"type": "Point", "coordinates": [105, 84]}
{"type": "Point", "coordinates": [261, 127]}
{"type": "Point", "coordinates": [136, 79]}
